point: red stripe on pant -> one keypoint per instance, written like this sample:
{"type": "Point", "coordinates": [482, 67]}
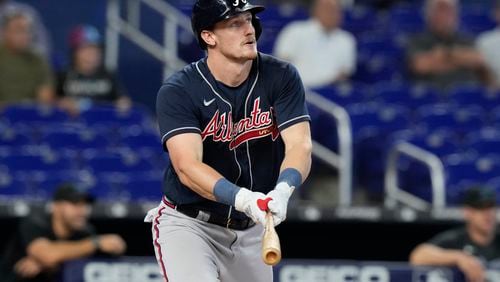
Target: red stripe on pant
{"type": "Point", "coordinates": [156, 222]}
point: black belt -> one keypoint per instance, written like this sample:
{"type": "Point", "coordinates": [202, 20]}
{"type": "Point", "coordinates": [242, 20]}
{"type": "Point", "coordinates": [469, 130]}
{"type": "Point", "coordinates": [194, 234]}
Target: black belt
{"type": "Point", "coordinates": [232, 223]}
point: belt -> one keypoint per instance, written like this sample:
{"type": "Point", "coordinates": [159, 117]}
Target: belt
{"type": "Point", "coordinates": [232, 223]}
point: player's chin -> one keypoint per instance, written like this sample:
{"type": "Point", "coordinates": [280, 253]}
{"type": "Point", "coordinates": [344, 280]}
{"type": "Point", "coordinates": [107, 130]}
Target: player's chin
{"type": "Point", "coordinates": [250, 53]}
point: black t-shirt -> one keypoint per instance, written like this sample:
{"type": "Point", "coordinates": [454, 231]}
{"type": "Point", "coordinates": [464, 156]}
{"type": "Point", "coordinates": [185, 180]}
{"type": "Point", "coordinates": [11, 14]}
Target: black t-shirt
{"type": "Point", "coordinates": [102, 86]}
{"type": "Point", "coordinates": [428, 41]}
{"type": "Point", "coordinates": [458, 239]}
{"type": "Point", "coordinates": [35, 226]}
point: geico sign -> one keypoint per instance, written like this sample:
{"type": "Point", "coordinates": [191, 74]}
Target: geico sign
{"type": "Point", "coordinates": [121, 272]}
{"type": "Point", "coordinates": [297, 273]}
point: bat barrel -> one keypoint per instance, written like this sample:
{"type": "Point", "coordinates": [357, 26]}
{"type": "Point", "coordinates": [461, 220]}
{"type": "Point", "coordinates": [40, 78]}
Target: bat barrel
{"type": "Point", "coordinates": [271, 249]}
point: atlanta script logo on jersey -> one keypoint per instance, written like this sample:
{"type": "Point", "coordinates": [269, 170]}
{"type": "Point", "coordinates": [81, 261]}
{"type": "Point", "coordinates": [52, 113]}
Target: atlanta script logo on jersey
{"type": "Point", "coordinates": [258, 125]}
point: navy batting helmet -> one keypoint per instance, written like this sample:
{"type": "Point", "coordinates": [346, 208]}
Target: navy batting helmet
{"type": "Point", "coordinates": [206, 13]}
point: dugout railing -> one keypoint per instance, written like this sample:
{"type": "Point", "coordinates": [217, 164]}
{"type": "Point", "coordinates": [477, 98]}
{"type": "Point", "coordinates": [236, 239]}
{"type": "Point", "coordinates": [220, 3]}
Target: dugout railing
{"type": "Point", "coordinates": [394, 193]}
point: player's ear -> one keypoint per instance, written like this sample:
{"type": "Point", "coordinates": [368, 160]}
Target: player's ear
{"type": "Point", "coordinates": [208, 37]}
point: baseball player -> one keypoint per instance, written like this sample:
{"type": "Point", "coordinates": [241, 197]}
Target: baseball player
{"type": "Point", "coordinates": [237, 130]}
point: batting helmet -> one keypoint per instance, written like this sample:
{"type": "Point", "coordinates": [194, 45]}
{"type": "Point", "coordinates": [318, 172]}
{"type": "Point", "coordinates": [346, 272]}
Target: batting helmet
{"type": "Point", "coordinates": [206, 13]}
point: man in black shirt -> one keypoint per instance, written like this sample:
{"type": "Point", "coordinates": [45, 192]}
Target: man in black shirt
{"type": "Point", "coordinates": [468, 247]}
{"type": "Point", "coordinates": [42, 242]}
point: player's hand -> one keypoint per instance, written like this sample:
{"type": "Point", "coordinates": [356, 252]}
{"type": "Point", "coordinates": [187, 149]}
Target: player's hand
{"type": "Point", "coordinates": [279, 203]}
{"type": "Point", "coordinates": [112, 244]}
{"type": "Point", "coordinates": [471, 267]}
{"type": "Point", "coordinates": [27, 267]}
{"type": "Point", "coordinates": [246, 201]}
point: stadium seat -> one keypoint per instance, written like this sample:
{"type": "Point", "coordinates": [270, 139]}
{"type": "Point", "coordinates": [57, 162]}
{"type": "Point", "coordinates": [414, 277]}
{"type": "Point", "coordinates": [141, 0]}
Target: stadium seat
{"type": "Point", "coordinates": [406, 19]}
{"type": "Point", "coordinates": [480, 170]}
{"type": "Point", "coordinates": [11, 186]}
{"type": "Point", "coordinates": [141, 140]}
{"type": "Point", "coordinates": [112, 116]}
{"type": "Point", "coordinates": [483, 142]}
{"type": "Point", "coordinates": [343, 94]}
{"type": "Point", "coordinates": [9, 137]}
{"type": "Point", "coordinates": [412, 96]}
{"type": "Point", "coordinates": [446, 116]}
{"type": "Point", "coordinates": [476, 19]}
{"type": "Point", "coordinates": [108, 162]}
{"type": "Point", "coordinates": [75, 140]}
{"type": "Point", "coordinates": [467, 95]}
{"type": "Point", "coordinates": [146, 188]}
{"type": "Point", "coordinates": [32, 113]}
{"type": "Point", "coordinates": [37, 162]}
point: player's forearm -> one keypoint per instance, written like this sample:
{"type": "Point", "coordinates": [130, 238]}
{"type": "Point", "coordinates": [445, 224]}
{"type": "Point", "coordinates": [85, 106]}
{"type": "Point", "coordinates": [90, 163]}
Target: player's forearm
{"type": "Point", "coordinates": [199, 177]}
{"type": "Point", "coordinates": [51, 254]}
{"type": "Point", "coordinates": [427, 254]}
{"type": "Point", "coordinates": [298, 157]}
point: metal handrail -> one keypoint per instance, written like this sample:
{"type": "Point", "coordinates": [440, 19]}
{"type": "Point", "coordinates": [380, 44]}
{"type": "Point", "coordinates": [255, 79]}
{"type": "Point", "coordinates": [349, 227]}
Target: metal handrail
{"type": "Point", "coordinates": [343, 159]}
{"type": "Point", "coordinates": [394, 193]}
{"type": "Point", "coordinates": [130, 29]}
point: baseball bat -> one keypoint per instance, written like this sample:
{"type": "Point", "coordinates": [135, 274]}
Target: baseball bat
{"type": "Point", "coordinates": [271, 249]}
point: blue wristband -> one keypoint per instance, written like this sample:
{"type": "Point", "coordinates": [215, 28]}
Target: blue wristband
{"type": "Point", "coordinates": [291, 176]}
{"type": "Point", "coordinates": [225, 192]}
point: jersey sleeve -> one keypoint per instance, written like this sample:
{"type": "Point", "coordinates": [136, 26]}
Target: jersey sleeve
{"type": "Point", "coordinates": [447, 240]}
{"type": "Point", "coordinates": [290, 107]}
{"type": "Point", "coordinates": [31, 229]}
{"type": "Point", "coordinates": [176, 113]}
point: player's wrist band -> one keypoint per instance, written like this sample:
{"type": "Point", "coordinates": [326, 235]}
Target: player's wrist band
{"type": "Point", "coordinates": [96, 242]}
{"type": "Point", "coordinates": [225, 192]}
{"type": "Point", "coordinates": [290, 176]}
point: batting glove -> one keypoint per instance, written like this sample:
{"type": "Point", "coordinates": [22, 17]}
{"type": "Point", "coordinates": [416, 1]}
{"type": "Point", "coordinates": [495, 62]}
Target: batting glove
{"type": "Point", "coordinates": [279, 203]}
{"type": "Point", "coordinates": [246, 201]}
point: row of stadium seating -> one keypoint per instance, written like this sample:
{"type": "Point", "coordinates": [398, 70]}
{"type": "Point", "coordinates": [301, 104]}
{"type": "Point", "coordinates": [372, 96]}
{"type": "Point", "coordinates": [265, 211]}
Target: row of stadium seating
{"type": "Point", "coordinates": [116, 154]}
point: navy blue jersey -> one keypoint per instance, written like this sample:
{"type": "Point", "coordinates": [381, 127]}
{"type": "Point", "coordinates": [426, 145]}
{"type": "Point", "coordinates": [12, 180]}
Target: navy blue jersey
{"type": "Point", "coordinates": [240, 126]}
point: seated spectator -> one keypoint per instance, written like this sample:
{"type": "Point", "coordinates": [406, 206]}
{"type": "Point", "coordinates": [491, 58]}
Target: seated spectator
{"type": "Point", "coordinates": [442, 56]}
{"type": "Point", "coordinates": [468, 247]}
{"type": "Point", "coordinates": [40, 41]}
{"type": "Point", "coordinates": [322, 52]}
{"type": "Point", "coordinates": [488, 44]}
{"type": "Point", "coordinates": [43, 242]}
{"type": "Point", "coordinates": [24, 75]}
{"type": "Point", "coordinates": [87, 81]}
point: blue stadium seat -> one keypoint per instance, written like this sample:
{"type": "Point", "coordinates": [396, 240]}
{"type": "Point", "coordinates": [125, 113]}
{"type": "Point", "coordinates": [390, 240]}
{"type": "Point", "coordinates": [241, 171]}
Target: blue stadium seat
{"type": "Point", "coordinates": [360, 19]}
{"type": "Point", "coordinates": [343, 94]}
{"type": "Point", "coordinates": [74, 140]}
{"type": "Point", "coordinates": [146, 188]}
{"type": "Point", "coordinates": [9, 137]}
{"type": "Point", "coordinates": [386, 118]}
{"type": "Point", "coordinates": [467, 95]}
{"type": "Point", "coordinates": [37, 162]}
{"type": "Point", "coordinates": [112, 116]}
{"type": "Point", "coordinates": [406, 18]}
{"type": "Point", "coordinates": [141, 140]}
{"type": "Point", "coordinates": [411, 96]}
{"type": "Point", "coordinates": [11, 186]}
{"type": "Point", "coordinates": [483, 142]}
{"type": "Point", "coordinates": [446, 116]}
{"type": "Point", "coordinates": [476, 19]}
{"type": "Point", "coordinates": [479, 170]}
{"type": "Point", "coordinates": [108, 162]}
{"type": "Point", "coordinates": [32, 113]}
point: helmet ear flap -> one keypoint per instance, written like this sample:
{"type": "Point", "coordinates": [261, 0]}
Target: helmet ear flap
{"type": "Point", "coordinates": [257, 26]}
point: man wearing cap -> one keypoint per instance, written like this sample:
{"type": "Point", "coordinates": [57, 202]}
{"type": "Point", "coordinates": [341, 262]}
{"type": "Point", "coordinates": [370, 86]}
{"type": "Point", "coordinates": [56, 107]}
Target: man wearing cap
{"type": "Point", "coordinates": [87, 81]}
{"type": "Point", "coordinates": [42, 242]}
{"type": "Point", "coordinates": [468, 247]}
